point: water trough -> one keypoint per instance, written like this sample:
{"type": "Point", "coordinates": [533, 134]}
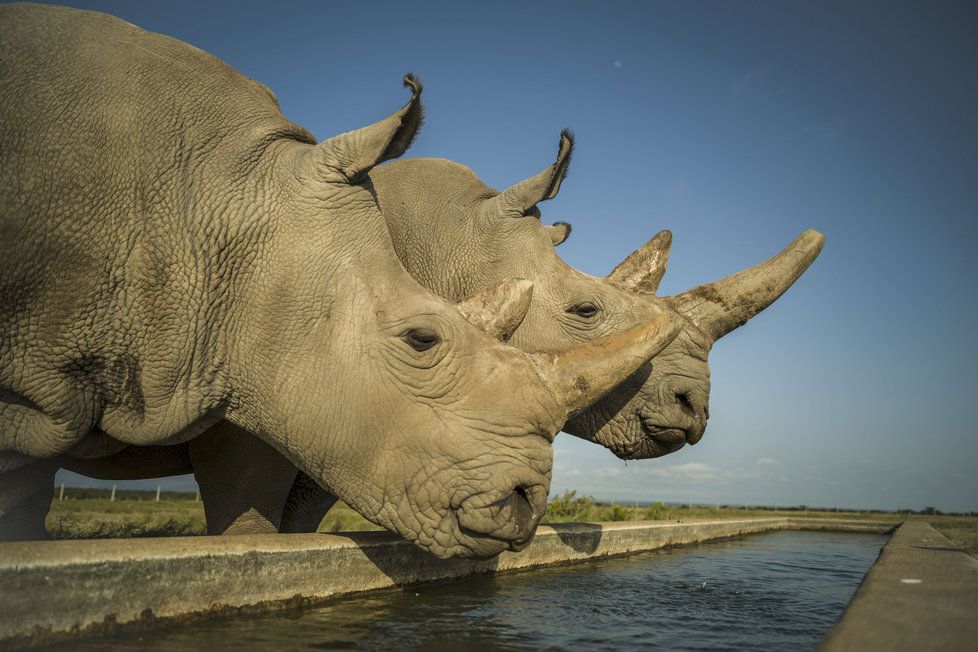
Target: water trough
{"type": "Point", "coordinates": [62, 589]}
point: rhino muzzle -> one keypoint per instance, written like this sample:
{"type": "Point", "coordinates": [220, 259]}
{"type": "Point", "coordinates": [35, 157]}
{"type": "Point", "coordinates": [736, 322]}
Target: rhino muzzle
{"type": "Point", "coordinates": [512, 518]}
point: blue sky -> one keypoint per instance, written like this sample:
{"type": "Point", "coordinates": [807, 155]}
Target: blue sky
{"type": "Point", "coordinates": [737, 126]}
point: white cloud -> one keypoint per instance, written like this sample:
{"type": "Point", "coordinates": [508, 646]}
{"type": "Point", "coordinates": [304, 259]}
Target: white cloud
{"type": "Point", "coordinates": [687, 471]}
{"type": "Point", "coordinates": [768, 461]}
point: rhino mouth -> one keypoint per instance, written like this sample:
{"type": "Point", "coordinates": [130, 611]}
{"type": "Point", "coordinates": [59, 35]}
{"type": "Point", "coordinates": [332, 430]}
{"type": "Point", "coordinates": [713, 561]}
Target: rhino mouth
{"type": "Point", "coordinates": [511, 518]}
{"type": "Point", "coordinates": [651, 439]}
{"type": "Point", "coordinates": [669, 437]}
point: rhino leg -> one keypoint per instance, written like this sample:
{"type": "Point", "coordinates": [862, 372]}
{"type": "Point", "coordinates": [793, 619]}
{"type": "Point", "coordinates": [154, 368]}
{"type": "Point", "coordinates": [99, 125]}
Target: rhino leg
{"type": "Point", "coordinates": [306, 506]}
{"type": "Point", "coordinates": [243, 481]}
{"type": "Point", "coordinates": [26, 493]}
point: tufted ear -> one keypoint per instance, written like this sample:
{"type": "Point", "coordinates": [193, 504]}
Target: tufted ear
{"type": "Point", "coordinates": [558, 232]}
{"type": "Point", "coordinates": [643, 269]}
{"type": "Point", "coordinates": [348, 157]}
{"type": "Point", "coordinates": [526, 194]}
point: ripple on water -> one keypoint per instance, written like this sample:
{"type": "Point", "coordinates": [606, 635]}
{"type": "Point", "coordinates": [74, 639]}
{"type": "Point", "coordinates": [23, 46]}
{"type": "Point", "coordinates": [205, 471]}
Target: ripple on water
{"type": "Point", "coordinates": [778, 590]}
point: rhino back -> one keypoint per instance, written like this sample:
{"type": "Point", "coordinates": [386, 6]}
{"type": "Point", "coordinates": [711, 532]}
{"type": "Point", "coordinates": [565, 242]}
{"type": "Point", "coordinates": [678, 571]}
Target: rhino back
{"type": "Point", "coordinates": [127, 157]}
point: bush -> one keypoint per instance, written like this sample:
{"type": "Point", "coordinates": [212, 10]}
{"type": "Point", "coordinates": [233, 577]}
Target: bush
{"type": "Point", "coordinates": [618, 513]}
{"type": "Point", "coordinates": [570, 507]}
{"type": "Point", "coordinates": [656, 512]}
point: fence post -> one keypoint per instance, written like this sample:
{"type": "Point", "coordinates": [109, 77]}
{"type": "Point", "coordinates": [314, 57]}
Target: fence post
{"type": "Point", "coordinates": [157, 493]}
{"type": "Point", "coordinates": [197, 496]}
{"type": "Point", "coordinates": [112, 497]}
{"type": "Point", "coordinates": [61, 494]}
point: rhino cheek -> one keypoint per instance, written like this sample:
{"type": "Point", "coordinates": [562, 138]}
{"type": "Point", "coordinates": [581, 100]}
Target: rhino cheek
{"type": "Point", "coordinates": [673, 398]}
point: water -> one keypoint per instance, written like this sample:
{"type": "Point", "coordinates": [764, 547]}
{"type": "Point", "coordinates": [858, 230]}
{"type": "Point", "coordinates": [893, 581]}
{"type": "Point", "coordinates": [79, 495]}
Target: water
{"type": "Point", "coordinates": [783, 590]}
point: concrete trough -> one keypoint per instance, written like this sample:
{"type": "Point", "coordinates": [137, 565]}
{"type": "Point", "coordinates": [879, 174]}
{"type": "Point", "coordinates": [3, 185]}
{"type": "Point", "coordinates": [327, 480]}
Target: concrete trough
{"type": "Point", "coordinates": [53, 590]}
{"type": "Point", "coordinates": [921, 594]}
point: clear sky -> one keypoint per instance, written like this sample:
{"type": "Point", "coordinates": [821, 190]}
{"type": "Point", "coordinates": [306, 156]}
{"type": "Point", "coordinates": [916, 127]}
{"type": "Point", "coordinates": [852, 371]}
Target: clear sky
{"type": "Point", "coordinates": [736, 125]}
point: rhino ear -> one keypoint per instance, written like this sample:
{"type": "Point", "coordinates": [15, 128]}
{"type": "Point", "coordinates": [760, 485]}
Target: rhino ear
{"type": "Point", "coordinates": [499, 310]}
{"type": "Point", "coordinates": [558, 232]}
{"type": "Point", "coordinates": [526, 194]}
{"type": "Point", "coordinates": [643, 269]}
{"type": "Point", "coordinates": [348, 157]}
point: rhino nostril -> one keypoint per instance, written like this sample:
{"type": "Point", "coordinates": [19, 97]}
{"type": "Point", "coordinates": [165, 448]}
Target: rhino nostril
{"type": "Point", "coordinates": [686, 404]}
{"type": "Point", "coordinates": [524, 513]}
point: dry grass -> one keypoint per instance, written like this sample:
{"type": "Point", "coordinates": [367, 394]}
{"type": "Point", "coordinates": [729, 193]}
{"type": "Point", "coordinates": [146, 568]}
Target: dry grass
{"type": "Point", "coordinates": [100, 518]}
{"type": "Point", "coordinates": [97, 518]}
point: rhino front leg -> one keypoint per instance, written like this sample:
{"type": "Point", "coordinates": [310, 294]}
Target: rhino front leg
{"type": "Point", "coordinates": [306, 506]}
{"type": "Point", "coordinates": [244, 482]}
{"type": "Point", "coordinates": [25, 499]}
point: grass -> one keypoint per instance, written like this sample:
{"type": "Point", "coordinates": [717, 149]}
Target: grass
{"type": "Point", "coordinates": [98, 518]}
{"type": "Point", "coordinates": [92, 518]}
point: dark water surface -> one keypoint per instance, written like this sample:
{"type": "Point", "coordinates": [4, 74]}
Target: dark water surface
{"type": "Point", "coordinates": [777, 591]}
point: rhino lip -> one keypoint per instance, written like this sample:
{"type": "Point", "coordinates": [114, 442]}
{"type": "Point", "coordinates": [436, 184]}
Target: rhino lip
{"type": "Point", "coordinates": [670, 437]}
{"type": "Point", "coordinates": [481, 519]}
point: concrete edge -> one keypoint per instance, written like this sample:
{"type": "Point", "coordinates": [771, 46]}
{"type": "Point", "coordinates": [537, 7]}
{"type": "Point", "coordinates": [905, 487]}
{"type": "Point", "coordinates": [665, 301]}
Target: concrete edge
{"type": "Point", "coordinates": [921, 594]}
{"type": "Point", "coordinates": [57, 590]}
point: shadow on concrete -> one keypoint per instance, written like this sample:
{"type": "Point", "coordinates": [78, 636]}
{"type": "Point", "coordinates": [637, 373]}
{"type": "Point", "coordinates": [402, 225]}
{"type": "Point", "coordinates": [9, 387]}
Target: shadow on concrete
{"type": "Point", "coordinates": [581, 537]}
{"type": "Point", "coordinates": [406, 564]}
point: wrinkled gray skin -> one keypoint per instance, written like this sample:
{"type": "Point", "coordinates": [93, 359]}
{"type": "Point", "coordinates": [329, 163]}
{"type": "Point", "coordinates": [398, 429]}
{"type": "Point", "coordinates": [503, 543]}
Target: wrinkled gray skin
{"type": "Point", "coordinates": [175, 254]}
{"type": "Point", "coordinates": [457, 236]}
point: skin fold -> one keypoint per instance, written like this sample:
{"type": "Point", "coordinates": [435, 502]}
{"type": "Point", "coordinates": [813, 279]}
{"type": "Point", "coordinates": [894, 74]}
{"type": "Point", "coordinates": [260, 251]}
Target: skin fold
{"type": "Point", "coordinates": [177, 256]}
{"type": "Point", "coordinates": [456, 236]}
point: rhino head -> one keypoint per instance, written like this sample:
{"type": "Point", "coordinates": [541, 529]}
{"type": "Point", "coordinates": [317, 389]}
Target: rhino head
{"type": "Point", "coordinates": [659, 410]}
{"type": "Point", "coordinates": [456, 235]}
{"type": "Point", "coordinates": [406, 406]}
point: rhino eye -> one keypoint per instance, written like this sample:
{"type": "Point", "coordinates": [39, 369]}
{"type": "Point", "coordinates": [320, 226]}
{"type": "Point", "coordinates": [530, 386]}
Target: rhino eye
{"type": "Point", "coordinates": [421, 339]}
{"type": "Point", "coordinates": [585, 310]}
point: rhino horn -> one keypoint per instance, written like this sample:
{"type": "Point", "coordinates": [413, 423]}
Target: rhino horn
{"type": "Point", "coordinates": [526, 194]}
{"type": "Point", "coordinates": [348, 157]}
{"type": "Point", "coordinates": [580, 375]}
{"type": "Point", "coordinates": [719, 307]}
{"type": "Point", "coordinates": [499, 310]}
{"type": "Point", "coordinates": [643, 269]}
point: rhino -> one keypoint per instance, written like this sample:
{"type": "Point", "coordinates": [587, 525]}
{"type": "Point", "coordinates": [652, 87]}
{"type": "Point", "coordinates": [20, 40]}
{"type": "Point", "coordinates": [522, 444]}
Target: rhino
{"type": "Point", "coordinates": [458, 237]}
{"type": "Point", "coordinates": [176, 254]}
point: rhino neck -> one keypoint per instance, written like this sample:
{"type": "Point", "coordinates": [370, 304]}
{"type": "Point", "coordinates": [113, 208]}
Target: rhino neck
{"type": "Point", "coordinates": [323, 262]}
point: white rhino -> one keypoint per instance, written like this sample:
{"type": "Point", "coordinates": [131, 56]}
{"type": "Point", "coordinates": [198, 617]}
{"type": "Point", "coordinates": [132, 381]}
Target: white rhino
{"type": "Point", "coordinates": [457, 237]}
{"type": "Point", "coordinates": [175, 253]}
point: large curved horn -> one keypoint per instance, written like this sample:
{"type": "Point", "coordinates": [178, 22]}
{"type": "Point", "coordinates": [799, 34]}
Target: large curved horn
{"type": "Point", "coordinates": [719, 307]}
{"type": "Point", "coordinates": [580, 375]}
{"type": "Point", "coordinates": [643, 269]}
{"type": "Point", "coordinates": [526, 194]}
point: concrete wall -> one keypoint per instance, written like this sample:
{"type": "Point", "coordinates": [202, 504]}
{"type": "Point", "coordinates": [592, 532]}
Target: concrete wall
{"type": "Point", "coordinates": [922, 594]}
{"type": "Point", "coordinates": [55, 589]}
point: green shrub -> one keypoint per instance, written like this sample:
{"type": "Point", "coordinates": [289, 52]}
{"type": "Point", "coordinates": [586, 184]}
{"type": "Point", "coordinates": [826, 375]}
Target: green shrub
{"type": "Point", "coordinates": [618, 513]}
{"type": "Point", "coordinates": [570, 507]}
{"type": "Point", "coordinates": [656, 512]}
